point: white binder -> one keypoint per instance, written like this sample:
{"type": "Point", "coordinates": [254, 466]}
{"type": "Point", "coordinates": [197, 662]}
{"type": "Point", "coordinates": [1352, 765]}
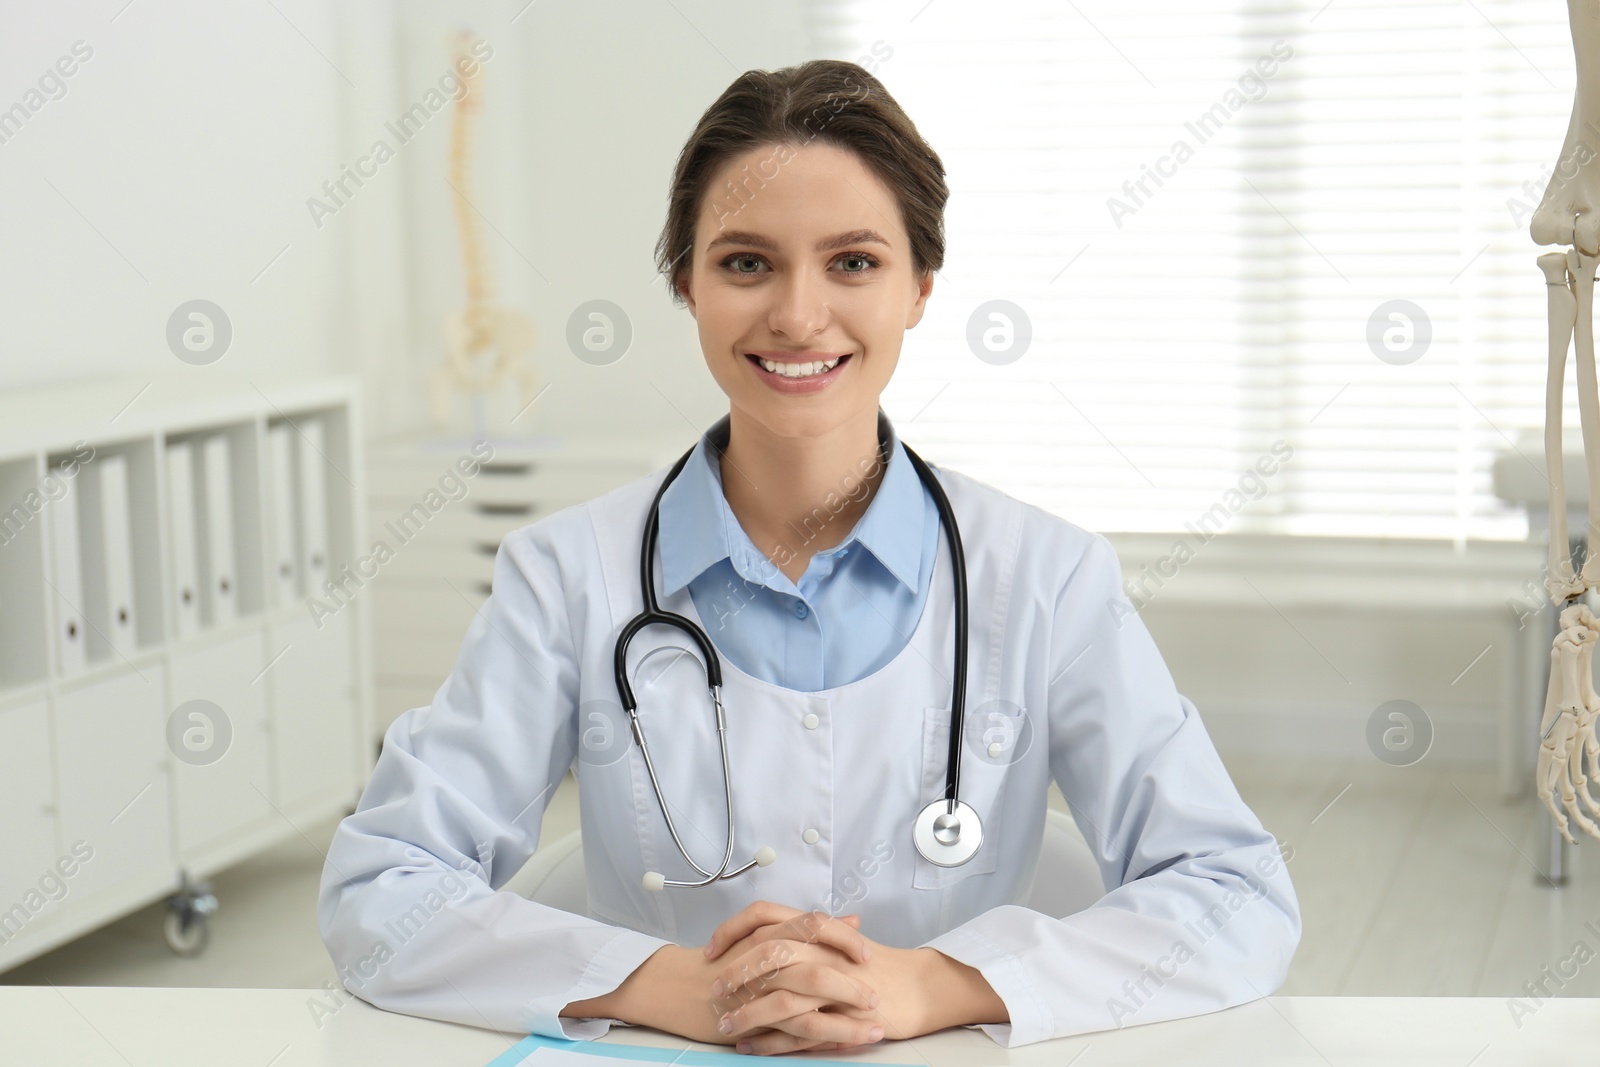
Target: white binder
{"type": "Point", "coordinates": [119, 552]}
{"type": "Point", "coordinates": [281, 497]}
{"type": "Point", "coordinates": [107, 557]}
{"type": "Point", "coordinates": [71, 638]}
{"type": "Point", "coordinates": [185, 546]}
{"type": "Point", "coordinates": [216, 530]}
{"type": "Point", "coordinates": [313, 505]}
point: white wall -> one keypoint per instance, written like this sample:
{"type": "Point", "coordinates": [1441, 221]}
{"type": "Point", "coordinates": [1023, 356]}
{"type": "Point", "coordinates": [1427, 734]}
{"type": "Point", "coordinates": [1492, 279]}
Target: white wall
{"type": "Point", "coordinates": [585, 109]}
{"type": "Point", "coordinates": [173, 167]}
{"type": "Point", "coordinates": [185, 148]}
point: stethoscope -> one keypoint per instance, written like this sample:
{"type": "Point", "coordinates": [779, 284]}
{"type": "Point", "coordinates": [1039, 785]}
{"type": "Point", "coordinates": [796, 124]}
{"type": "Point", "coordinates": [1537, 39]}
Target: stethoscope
{"type": "Point", "coordinates": [946, 832]}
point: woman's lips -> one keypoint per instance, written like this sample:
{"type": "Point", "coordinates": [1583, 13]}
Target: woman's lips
{"type": "Point", "coordinates": [794, 386]}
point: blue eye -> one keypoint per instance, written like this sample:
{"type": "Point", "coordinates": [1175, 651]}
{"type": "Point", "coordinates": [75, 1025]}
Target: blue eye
{"type": "Point", "coordinates": [868, 263]}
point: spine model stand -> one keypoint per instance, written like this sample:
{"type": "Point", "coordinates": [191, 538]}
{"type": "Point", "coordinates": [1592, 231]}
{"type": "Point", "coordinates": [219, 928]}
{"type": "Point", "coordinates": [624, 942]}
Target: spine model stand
{"type": "Point", "coordinates": [1569, 215]}
{"type": "Point", "coordinates": [485, 345]}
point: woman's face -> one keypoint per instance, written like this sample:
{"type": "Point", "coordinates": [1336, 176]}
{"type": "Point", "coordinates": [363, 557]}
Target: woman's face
{"type": "Point", "coordinates": [802, 258]}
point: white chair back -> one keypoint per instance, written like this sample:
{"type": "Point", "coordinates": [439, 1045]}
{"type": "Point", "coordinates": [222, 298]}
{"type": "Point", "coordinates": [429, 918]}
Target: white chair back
{"type": "Point", "coordinates": [1067, 879]}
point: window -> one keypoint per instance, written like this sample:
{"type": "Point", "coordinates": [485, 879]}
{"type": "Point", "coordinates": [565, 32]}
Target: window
{"type": "Point", "coordinates": [1200, 209]}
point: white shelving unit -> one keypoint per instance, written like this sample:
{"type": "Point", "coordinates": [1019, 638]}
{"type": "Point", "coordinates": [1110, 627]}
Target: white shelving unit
{"type": "Point", "coordinates": [110, 797]}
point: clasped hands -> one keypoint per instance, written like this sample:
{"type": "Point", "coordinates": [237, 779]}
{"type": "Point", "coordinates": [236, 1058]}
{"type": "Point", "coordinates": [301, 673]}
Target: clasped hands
{"type": "Point", "coordinates": [775, 979]}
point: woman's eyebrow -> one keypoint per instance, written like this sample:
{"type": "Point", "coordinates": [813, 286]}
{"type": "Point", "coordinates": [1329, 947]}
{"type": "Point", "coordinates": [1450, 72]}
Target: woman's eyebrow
{"type": "Point", "coordinates": [827, 244]}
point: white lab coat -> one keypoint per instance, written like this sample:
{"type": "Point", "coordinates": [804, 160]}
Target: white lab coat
{"type": "Point", "coordinates": [1200, 914]}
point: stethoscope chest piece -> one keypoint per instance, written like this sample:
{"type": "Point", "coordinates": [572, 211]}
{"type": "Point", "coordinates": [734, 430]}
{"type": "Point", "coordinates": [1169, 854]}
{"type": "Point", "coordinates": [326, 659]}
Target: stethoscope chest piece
{"type": "Point", "coordinates": [947, 838]}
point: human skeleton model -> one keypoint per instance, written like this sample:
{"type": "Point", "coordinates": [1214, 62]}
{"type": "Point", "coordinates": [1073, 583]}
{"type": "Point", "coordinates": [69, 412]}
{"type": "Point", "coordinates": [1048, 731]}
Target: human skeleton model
{"type": "Point", "coordinates": [1569, 214]}
{"type": "Point", "coordinates": [480, 329]}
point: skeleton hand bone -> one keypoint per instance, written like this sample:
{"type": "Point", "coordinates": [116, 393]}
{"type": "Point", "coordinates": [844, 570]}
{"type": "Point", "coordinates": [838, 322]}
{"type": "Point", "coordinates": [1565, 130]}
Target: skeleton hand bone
{"type": "Point", "coordinates": [1567, 729]}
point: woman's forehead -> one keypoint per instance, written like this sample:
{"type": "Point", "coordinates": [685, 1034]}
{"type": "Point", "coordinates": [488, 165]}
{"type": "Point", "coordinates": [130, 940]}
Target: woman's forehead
{"type": "Point", "coordinates": [799, 211]}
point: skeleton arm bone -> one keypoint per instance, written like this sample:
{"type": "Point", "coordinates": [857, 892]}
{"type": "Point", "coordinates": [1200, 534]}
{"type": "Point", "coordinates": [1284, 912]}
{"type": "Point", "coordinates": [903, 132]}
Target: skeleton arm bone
{"type": "Point", "coordinates": [1582, 269]}
{"type": "Point", "coordinates": [1560, 581]}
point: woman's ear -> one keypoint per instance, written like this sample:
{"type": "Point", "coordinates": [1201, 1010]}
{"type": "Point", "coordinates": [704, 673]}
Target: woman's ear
{"type": "Point", "coordinates": [924, 287]}
{"type": "Point", "coordinates": [688, 293]}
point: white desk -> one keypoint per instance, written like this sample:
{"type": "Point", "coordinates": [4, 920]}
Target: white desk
{"type": "Point", "coordinates": [89, 1026]}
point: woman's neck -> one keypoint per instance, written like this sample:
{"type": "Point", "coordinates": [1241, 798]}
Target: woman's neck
{"type": "Point", "coordinates": [797, 496]}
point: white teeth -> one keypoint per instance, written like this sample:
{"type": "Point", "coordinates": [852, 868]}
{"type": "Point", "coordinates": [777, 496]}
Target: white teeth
{"type": "Point", "coordinates": [798, 370]}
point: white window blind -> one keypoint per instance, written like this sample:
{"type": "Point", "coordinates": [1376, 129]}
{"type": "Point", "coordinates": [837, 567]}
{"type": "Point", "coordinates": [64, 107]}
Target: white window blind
{"type": "Point", "coordinates": [1229, 309]}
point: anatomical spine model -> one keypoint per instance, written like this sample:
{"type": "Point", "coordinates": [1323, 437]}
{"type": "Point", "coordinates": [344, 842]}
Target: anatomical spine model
{"type": "Point", "coordinates": [481, 329]}
{"type": "Point", "coordinates": [1569, 215]}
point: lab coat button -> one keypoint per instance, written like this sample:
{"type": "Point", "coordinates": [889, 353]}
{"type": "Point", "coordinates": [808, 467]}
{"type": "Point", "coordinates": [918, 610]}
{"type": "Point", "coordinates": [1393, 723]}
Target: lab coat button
{"type": "Point", "coordinates": [810, 837]}
{"type": "Point", "coordinates": [811, 722]}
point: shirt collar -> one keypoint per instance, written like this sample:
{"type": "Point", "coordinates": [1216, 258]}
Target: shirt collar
{"type": "Point", "coordinates": [698, 529]}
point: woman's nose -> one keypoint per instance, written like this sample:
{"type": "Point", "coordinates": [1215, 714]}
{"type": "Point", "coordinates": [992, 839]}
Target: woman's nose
{"type": "Point", "coordinates": [799, 307]}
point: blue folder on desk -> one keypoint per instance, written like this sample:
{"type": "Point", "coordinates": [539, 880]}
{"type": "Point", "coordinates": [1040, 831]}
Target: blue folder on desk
{"type": "Point", "coordinates": [640, 1053]}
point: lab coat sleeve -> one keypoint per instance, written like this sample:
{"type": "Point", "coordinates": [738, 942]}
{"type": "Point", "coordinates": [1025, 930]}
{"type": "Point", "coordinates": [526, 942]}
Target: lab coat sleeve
{"type": "Point", "coordinates": [1203, 915]}
{"type": "Point", "coordinates": [407, 904]}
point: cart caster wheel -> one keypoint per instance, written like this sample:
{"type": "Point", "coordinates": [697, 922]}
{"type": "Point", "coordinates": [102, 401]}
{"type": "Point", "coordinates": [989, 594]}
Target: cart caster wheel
{"type": "Point", "coordinates": [187, 925]}
{"type": "Point", "coordinates": [187, 935]}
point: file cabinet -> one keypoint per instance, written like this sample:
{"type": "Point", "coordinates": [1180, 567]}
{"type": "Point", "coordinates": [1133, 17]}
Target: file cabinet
{"type": "Point", "coordinates": [173, 696]}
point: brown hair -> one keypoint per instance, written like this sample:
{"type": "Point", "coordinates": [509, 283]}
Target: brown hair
{"type": "Point", "coordinates": [828, 99]}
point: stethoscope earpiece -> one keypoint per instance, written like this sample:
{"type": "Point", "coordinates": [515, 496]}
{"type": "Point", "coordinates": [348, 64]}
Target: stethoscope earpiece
{"type": "Point", "coordinates": [655, 880]}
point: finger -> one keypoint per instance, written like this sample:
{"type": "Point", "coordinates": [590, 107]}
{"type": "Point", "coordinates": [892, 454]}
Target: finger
{"type": "Point", "coordinates": [749, 919]}
{"type": "Point", "coordinates": [818, 928]}
{"type": "Point", "coordinates": [771, 965]}
{"type": "Point", "coordinates": [806, 977]}
{"type": "Point", "coordinates": [810, 1018]}
{"type": "Point", "coordinates": [808, 1028]}
{"type": "Point", "coordinates": [764, 914]}
{"type": "Point", "coordinates": [805, 927]}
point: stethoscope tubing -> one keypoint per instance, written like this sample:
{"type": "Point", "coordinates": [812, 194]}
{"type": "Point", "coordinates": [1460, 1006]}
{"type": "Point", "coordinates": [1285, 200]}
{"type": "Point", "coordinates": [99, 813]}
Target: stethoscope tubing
{"type": "Point", "coordinates": [653, 615]}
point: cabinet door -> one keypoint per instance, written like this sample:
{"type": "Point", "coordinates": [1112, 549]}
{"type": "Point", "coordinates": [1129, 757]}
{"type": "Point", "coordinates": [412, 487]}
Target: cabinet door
{"type": "Point", "coordinates": [30, 887]}
{"type": "Point", "coordinates": [216, 730]}
{"type": "Point", "coordinates": [313, 709]}
{"type": "Point", "coordinates": [113, 769]}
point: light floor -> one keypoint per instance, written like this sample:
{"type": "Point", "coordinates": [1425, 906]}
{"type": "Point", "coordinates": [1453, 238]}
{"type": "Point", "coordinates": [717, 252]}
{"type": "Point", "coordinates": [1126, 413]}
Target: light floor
{"type": "Point", "coordinates": [1413, 881]}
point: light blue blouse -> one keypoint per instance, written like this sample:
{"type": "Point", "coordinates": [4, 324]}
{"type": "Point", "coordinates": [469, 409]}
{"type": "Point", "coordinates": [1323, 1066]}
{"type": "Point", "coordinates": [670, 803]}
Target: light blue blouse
{"type": "Point", "coordinates": [852, 611]}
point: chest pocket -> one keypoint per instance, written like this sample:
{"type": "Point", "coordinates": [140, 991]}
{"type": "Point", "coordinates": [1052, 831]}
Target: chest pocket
{"type": "Point", "coordinates": [982, 787]}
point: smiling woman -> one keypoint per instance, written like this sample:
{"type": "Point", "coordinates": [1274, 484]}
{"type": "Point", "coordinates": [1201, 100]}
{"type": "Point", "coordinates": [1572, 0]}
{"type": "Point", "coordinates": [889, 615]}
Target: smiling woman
{"type": "Point", "coordinates": [805, 224]}
{"type": "Point", "coordinates": [837, 746]}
